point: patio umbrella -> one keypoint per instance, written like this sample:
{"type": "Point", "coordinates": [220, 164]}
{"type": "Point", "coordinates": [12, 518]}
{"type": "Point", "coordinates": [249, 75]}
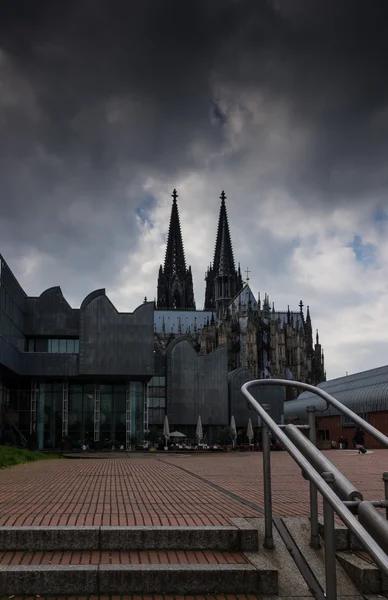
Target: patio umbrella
{"type": "Point", "coordinates": [166, 430]}
{"type": "Point", "coordinates": [177, 434]}
{"type": "Point", "coordinates": [250, 434]}
{"type": "Point", "coordinates": [233, 430]}
{"type": "Point", "coordinates": [199, 430]}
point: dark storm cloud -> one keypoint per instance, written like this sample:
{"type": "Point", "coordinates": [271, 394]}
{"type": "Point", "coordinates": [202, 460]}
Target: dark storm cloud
{"type": "Point", "coordinates": [98, 95]}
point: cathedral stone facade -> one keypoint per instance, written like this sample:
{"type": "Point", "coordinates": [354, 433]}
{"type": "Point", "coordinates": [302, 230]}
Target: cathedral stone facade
{"type": "Point", "coordinates": [263, 341]}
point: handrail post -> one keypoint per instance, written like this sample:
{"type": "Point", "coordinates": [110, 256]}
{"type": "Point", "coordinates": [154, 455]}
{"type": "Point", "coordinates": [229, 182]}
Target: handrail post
{"type": "Point", "coordinates": [385, 479]}
{"type": "Point", "coordinates": [314, 535]}
{"type": "Point", "coordinates": [377, 553]}
{"type": "Point", "coordinates": [312, 424]}
{"type": "Point", "coordinates": [330, 543]}
{"type": "Point", "coordinates": [268, 539]}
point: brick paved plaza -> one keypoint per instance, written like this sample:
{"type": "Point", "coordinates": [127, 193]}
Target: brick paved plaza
{"type": "Point", "coordinates": [167, 490]}
{"type": "Point", "coordinates": [160, 490]}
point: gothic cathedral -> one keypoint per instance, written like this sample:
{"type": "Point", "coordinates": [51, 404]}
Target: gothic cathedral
{"type": "Point", "coordinates": [267, 342]}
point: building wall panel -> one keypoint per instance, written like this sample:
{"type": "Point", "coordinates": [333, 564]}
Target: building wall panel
{"type": "Point", "coordinates": [114, 343]}
{"type": "Point", "coordinates": [196, 385]}
{"type": "Point", "coordinates": [49, 365]}
{"type": "Point", "coordinates": [51, 315]}
{"type": "Point", "coordinates": [335, 429]}
{"type": "Point", "coordinates": [274, 396]}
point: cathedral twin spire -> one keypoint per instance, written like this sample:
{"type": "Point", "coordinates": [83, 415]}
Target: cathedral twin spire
{"type": "Point", "coordinates": [175, 283]}
{"type": "Point", "coordinates": [223, 282]}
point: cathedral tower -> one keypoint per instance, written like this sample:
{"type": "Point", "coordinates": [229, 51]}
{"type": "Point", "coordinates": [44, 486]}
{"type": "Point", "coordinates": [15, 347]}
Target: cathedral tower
{"type": "Point", "coordinates": [222, 280]}
{"type": "Point", "coordinates": [175, 282]}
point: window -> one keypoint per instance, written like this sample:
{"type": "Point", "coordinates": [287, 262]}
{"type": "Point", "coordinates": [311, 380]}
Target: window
{"type": "Point", "coordinates": [157, 392]}
{"type": "Point", "coordinates": [63, 346]}
{"type": "Point", "coordinates": [323, 435]}
{"type": "Point", "coordinates": [53, 346]}
{"type": "Point", "coordinates": [347, 421]}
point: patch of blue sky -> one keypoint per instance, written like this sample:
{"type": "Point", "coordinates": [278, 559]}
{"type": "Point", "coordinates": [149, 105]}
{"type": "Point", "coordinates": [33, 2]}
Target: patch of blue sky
{"type": "Point", "coordinates": [144, 209]}
{"type": "Point", "coordinates": [365, 253]}
{"type": "Point", "coordinates": [380, 214]}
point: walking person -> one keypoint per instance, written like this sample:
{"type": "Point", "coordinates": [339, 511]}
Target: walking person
{"type": "Point", "coordinates": [359, 440]}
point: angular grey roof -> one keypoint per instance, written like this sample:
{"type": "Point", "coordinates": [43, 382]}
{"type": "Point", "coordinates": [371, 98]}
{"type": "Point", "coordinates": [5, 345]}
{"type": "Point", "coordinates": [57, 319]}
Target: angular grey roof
{"type": "Point", "coordinates": [243, 297]}
{"type": "Point", "coordinates": [362, 392]}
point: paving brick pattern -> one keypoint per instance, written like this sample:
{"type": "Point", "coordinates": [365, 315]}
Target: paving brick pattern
{"type": "Point", "coordinates": [168, 557]}
{"type": "Point", "coordinates": [242, 474]}
{"type": "Point", "coordinates": [127, 491]}
{"type": "Point", "coordinates": [157, 491]}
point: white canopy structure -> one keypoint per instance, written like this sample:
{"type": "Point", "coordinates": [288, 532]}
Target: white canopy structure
{"type": "Point", "coordinates": [166, 430]}
{"type": "Point", "coordinates": [250, 434]}
{"type": "Point", "coordinates": [199, 430]}
{"type": "Point", "coordinates": [177, 434]}
{"type": "Point", "coordinates": [233, 430]}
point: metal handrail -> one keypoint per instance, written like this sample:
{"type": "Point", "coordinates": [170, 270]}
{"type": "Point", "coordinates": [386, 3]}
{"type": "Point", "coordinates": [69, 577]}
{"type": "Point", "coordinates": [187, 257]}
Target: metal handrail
{"type": "Point", "coordinates": [383, 439]}
{"type": "Point", "coordinates": [346, 516]}
{"type": "Point", "coordinates": [342, 486]}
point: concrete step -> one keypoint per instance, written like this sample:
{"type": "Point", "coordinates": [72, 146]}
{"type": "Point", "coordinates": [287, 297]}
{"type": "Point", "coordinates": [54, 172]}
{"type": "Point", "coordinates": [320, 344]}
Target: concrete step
{"type": "Point", "coordinates": [363, 572]}
{"type": "Point", "coordinates": [240, 536]}
{"type": "Point", "coordinates": [299, 529]}
{"type": "Point", "coordinates": [91, 557]}
{"type": "Point", "coordinates": [344, 539]}
{"type": "Point", "coordinates": [165, 572]}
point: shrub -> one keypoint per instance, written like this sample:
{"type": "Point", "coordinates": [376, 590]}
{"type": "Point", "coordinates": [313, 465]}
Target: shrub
{"type": "Point", "coordinates": [10, 456]}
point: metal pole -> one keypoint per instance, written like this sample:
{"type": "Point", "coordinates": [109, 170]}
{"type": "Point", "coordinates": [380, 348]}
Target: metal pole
{"type": "Point", "coordinates": [342, 487]}
{"type": "Point", "coordinates": [312, 424]}
{"type": "Point", "coordinates": [268, 540]}
{"type": "Point", "coordinates": [374, 523]}
{"type": "Point", "coordinates": [385, 479]}
{"type": "Point", "coordinates": [353, 505]}
{"type": "Point", "coordinates": [330, 545]}
{"type": "Point", "coordinates": [367, 427]}
{"type": "Point", "coordinates": [380, 557]}
{"type": "Point", "coordinates": [314, 535]}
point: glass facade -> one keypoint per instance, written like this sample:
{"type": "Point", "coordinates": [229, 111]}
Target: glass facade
{"type": "Point", "coordinates": [137, 402]}
{"type": "Point", "coordinates": [157, 392]}
{"type": "Point", "coordinates": [112, 414]}
{"type": "Point", "coordinates": [4, 400]}
{"type": "Point", "coordinates": [18, 402]}
{"type": "Point", "coordinates": [101, 415]}
{"type": "Point", "coordinates": [156, 403]}
{"type": "Point", "coordinates": [81, 413]}
{"type": "Point", "coordinates": [49, 399]}
{"type": "Point", "coordinates": [53, 346]}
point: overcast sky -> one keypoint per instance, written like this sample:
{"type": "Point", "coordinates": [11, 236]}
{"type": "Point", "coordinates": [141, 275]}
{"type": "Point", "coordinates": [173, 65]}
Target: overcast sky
{"type": "Point", "coordinates": [106, 106]}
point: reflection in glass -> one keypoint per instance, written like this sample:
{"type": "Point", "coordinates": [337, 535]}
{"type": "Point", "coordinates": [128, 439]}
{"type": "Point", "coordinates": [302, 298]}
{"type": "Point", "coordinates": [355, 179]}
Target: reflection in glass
{"type": "Point", "coordinates": [53, 346]}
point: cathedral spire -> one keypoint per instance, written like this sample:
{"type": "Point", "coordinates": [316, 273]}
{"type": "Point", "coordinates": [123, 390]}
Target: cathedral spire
{"type": "Point", "coordinates": [174, 261]}
{"type": "Point", "coordinates": [223, 282]}
{"type": "Point", "coordinates": [175, 283]}
{"type": "Point", "coordinates": [223, 263]}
